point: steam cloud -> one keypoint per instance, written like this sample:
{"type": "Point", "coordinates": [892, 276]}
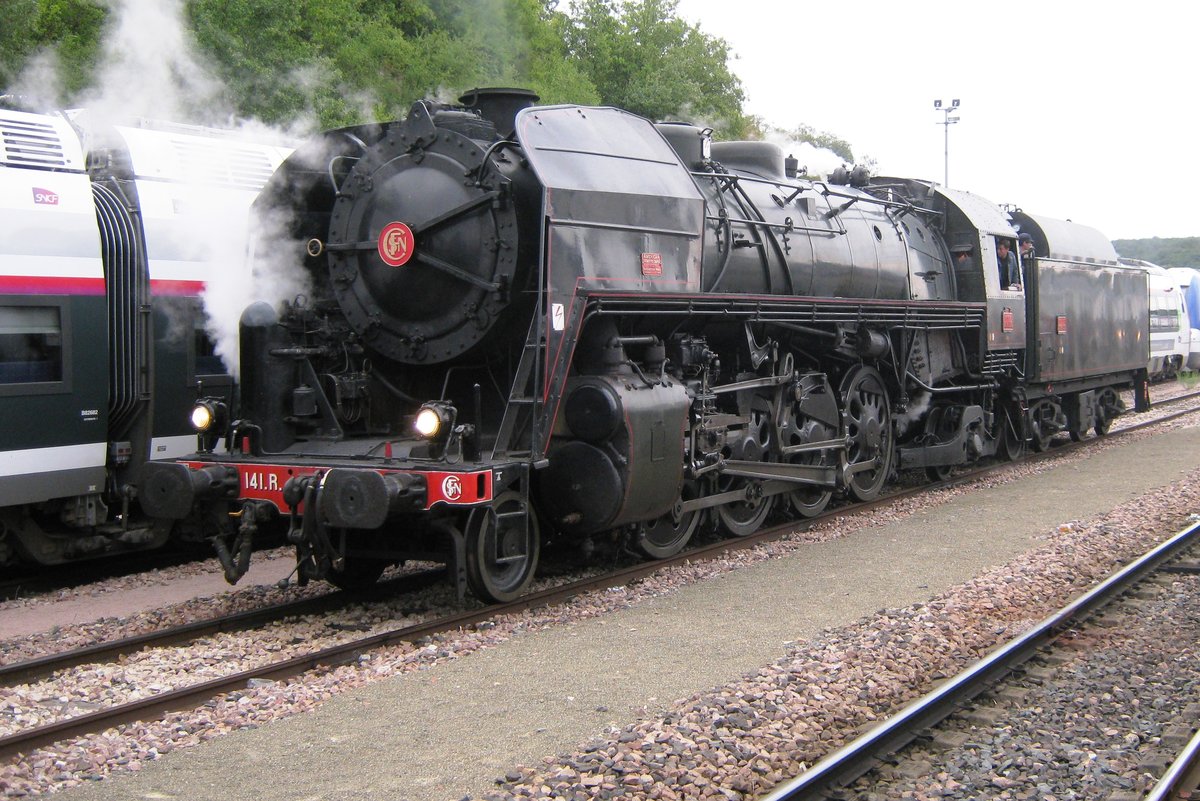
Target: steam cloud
{"type": "Point", "coordinates": [150, 69]}
{"type": "Point", "coordinates": [818, 160]}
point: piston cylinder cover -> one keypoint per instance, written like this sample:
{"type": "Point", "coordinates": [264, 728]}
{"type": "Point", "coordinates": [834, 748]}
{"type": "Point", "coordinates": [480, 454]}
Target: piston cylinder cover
{"type": "Point", "coordinates": [622, 459]}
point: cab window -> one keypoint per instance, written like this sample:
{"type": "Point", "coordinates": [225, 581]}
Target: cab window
{"type": "Point", "coordinates": [31, 344]}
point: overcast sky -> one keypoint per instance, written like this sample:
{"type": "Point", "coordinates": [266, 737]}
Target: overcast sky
{"type": "Point", "coordinates": [1074, 110]}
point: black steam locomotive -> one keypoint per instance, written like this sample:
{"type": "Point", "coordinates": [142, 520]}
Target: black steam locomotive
{"type": "Point", "coordinates": [528, 322]}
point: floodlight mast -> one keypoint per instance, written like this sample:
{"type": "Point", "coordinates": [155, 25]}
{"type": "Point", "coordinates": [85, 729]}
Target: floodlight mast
{"type": "Point", "coordinates": [947, 121]}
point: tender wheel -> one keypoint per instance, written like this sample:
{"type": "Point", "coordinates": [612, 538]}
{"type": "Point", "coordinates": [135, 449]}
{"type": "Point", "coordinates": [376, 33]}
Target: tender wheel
{"type": "Point", "coordinates": [1076, 434]}
{"type": "Point", "coordinates": [743, 518]}
{"type": "Point", "coordinates": [1012, 444]}
{"type": "Point", "coordinates": [502, 548]}
{"type": "Point", "coordinates": [358, 574]}
{"type": "Point", "coordinates": [1109, 406]}
{"type": "Point", "coordinates": [668, 535]}
{"type": "Point", "coordinates": [1040, 430]}
{"type": "Point", "coordinates": [868, 417]}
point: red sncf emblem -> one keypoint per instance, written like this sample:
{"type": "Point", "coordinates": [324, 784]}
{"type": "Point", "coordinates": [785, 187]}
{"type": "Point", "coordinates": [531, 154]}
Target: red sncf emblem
{"type": "Point", "coordinates": [395, 244]}
{"type": "Point", "coordinates": [45, 197]}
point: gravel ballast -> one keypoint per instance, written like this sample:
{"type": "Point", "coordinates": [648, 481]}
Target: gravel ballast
{"type": "Point", "coordinates": [449, 726]}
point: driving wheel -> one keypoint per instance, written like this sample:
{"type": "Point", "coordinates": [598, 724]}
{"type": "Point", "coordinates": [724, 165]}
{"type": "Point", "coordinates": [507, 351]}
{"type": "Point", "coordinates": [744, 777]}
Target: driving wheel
{"type": "Point", "coordinates": [868, 420]}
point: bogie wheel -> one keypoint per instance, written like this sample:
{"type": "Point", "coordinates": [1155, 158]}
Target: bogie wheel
{"type": "Point", "coordinates": [867, 413]}
{"type": "Point", "coordinates": [668, 535]}
{"type": "Point", "coordinates": [357, 574]}
{"type": "Point", "coordinates": [503, 544]}
{"type": "Point", "coordinates": [940, 426]}
{"type": "Point", "coordinates": [1012, 444]}
{"type": "Point", "coordinates": [939, 472]}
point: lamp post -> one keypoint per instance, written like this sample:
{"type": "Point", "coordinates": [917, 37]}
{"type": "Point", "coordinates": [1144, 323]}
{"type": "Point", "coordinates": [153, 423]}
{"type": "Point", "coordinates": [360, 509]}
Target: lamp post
{"type": "Point", "coordinates": [947, 122]}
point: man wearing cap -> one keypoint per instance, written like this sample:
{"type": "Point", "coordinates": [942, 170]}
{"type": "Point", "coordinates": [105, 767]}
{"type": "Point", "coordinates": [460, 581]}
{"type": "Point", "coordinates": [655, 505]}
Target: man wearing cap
{"type": "Point", "coordinates": [962, 258]}
{"type": "Point", "coordinates": [1026, 247]}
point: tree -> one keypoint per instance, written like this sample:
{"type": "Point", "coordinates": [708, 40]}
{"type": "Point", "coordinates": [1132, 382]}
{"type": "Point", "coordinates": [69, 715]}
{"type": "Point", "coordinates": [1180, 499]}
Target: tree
{"type": "Point", "coordinates": [342, 60]}
{"type": "Point", "coordinates": [642, 57]}
{"type": "Point", "coordinates": [1165, 252]}
{"type": "Point", "coordinates": [823, 139]}
{"type": "Point", "coordinates": [70, 29]}
{"type": "Point", "coordinates": [518, 43]}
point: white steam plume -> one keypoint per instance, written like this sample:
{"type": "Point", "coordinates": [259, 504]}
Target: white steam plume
{"type": "Point", "coordinates": [151, 69]}
{"type": "Point", "coordinates": [818, 160]}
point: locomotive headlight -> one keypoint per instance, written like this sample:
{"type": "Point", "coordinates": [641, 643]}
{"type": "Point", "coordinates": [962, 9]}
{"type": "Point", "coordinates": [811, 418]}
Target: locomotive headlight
{"type": "Point", "coordinates": [434, 419]}
{"type": "Point", "coordinates": [208, 414]}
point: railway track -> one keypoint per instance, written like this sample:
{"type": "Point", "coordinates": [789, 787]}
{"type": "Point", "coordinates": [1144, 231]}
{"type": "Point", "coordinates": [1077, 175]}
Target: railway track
{"type": "Point", "coordinates": [340, 654]}
{"type": "Point", "coordinates": [833, 776]}
{"type": "Point", "coordinates": [1182, 779]}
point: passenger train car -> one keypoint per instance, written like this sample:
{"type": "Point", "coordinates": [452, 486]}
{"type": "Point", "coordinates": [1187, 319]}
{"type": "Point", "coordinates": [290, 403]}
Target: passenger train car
{"type": "Point", "coordinates": [108, 234]}
{"type": "Point", "coordinates": [1188, 281]}
{"type": "Point", "coordinates": [1171, 343]}
{"type": "Point", "coordinates": [572, 323]}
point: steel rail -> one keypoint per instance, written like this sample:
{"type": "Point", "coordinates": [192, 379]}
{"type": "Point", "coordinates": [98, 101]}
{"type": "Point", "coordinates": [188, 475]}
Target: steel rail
{"type": "Point", "coordinates": [31, 670]}
{"type": "Point", "coordinates": [189, 697]}
{"type": "Point", "coordinates": [839, 769]}
{"type": "Point", "coordinates": [1181, 776]}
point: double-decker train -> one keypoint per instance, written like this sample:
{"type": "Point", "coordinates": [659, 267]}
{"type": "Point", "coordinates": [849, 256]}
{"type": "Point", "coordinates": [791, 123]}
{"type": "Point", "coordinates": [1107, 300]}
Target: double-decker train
{"type": "Point", "coordinates": [563, 322]}
{"type": "Point", "coordinates": [108, 236]}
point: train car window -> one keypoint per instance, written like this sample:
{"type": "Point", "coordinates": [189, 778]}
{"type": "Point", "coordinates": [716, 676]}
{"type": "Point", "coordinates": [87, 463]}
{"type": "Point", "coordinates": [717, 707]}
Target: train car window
{"type": "Point", "coordinates": [1164, 317]}
{"type": "Point", "coordinates": [207, 361]}
{"type": "Point", "coordinates": [31, 344]}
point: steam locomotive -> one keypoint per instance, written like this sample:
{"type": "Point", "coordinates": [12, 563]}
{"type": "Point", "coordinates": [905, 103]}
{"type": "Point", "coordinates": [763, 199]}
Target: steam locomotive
{"type": "Point", "coordinates": [108, 235]}
{"type": "Point", "coordinates": [529, 322]}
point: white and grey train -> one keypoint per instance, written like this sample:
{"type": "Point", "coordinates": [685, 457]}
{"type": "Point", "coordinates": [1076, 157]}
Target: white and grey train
{"type": "Point", "coordinates": [1174, 318]}
{"type": "Point", "coordinates": [106, 244]}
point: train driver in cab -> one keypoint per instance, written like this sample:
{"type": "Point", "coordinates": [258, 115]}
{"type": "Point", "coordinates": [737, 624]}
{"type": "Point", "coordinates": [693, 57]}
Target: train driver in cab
{"type": "Point", "coordinates": [1006, 261]}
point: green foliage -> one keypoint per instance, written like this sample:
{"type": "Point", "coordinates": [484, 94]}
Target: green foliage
{"type": "Point", "coordinates": [338, 62]}
{"type": "Point", "coordinates": [1188, 378]}
{"type": "Point", "coordinates": [71, 29]}
{"type": "Point", "coordinates": [342, 60]}
{"type": "Point", "coordinates": [823, 139]}
{"type": "Point", "coordinates": [1179, 252]}
{"type": "Point", "coordinates": [518, 43]}
{"type": "Point", "coordinates": [642, 57]}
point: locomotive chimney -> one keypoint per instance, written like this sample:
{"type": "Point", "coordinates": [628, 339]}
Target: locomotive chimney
{"type": "Point", "coordinates": [266, 379]}
{"type": "Point", "coordinates": [499, 106]}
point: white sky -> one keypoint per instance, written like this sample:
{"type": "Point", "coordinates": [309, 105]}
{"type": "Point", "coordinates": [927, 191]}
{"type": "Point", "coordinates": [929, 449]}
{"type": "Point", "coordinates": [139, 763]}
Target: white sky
{"type": "Point", "coordinates": [1075, 110]}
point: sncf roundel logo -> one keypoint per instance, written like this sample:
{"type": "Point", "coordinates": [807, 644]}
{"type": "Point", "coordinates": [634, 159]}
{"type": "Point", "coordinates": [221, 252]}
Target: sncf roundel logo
{"type": "Point", "coordinates": [452, 487]}
{"type": "Point", "coordinates": [45, 197]}
{"type": "Point", "coordinates": [395, 244]}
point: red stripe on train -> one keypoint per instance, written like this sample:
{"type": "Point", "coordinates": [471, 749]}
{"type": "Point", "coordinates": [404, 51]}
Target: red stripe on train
{"type": "Point", "coordinates": [164, 287]}
{"type": "Point", "coordinates": [50, 285]}
{"type": "Point", "coordinates": [61, 285]}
